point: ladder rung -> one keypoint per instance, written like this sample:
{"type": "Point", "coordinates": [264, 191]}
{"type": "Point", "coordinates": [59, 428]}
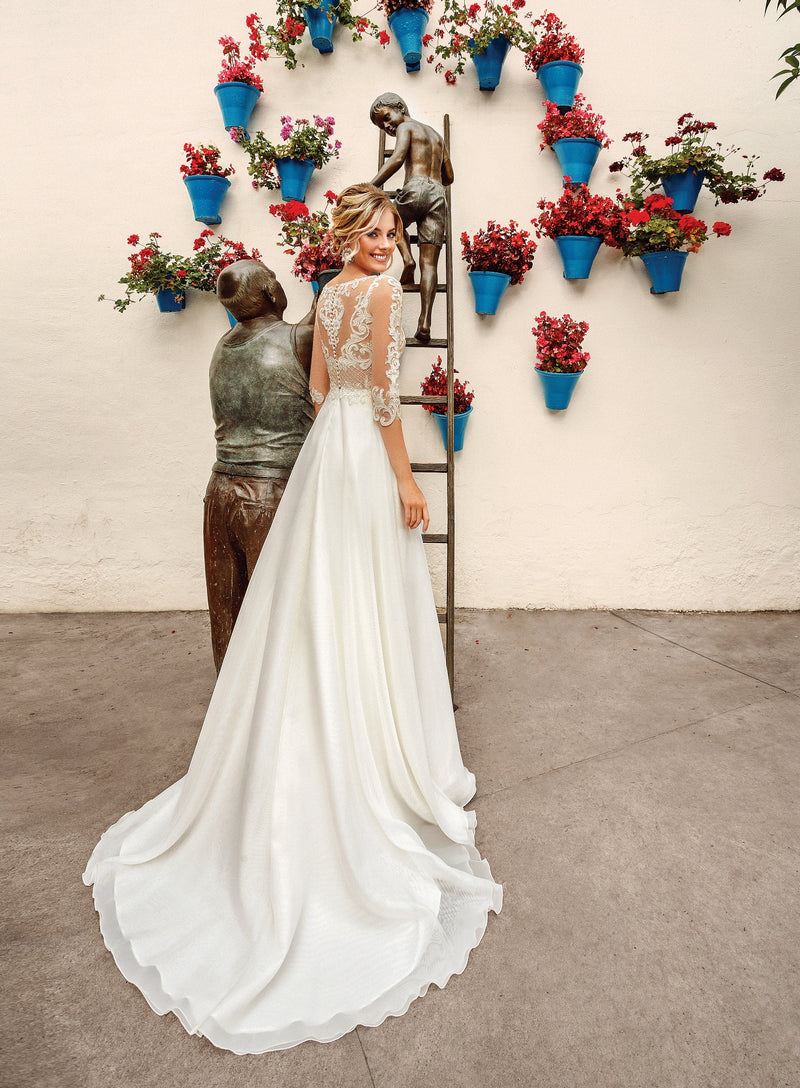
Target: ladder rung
{"type": "Point", "coordinates": [423, 466]}
{"type": "Point", "coordinates": [412, 342]}
{"type": "Point", "coordinates": [406, 398]}
{"type": "Point", "coordinates": [414, 288]}
{"type": "Point", "coordinates": [434, 538]}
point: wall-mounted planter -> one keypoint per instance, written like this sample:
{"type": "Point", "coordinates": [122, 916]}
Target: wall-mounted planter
{"type": "Point", "coordinates": [558, 388]}
{"type": "Point", "coordinates": [489, 288]}
{"type": "Point", "coordinates": [169, 302]}
{"type": "Point", "coordinates": [577, 156]}
{"type": "Point", "coordinates": [666, 269]}
{"type": "Point", "coordinates": [559, 80]}
{"type": "Point", "coordinates": [236, 100]}
{"type": "Point", "coordinates": [407, 25]}
{"type": "Point", "coordinates": [295, 175]}
{"type": "Point", "coordinates": [684, 188]}
{"type": "Point", "coordinates": [207, 191]}
{"type": "Point", "coordinates": [324, 277]}
{"type": "Point", "coordinates": [320, 22]}
{"type": "Point", "coordinates": [578, 252]}
{"type": "Point", "coordinates": [460, 420]}
{"type": "Point", "coordinates": [489, 63]}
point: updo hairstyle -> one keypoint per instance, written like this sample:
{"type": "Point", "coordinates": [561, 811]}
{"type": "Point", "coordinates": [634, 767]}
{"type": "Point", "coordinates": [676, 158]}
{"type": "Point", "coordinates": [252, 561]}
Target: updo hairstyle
{"type": "Point", "coordinates": [356, 212]}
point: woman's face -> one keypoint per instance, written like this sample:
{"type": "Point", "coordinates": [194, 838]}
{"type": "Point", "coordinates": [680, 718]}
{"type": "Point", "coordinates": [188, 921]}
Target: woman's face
{"type": "Point", "coordinates": [376, 247]}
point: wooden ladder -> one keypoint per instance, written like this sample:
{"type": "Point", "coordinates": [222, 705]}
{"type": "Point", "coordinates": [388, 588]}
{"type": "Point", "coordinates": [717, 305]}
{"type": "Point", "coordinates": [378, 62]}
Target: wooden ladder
{"type": "Point", "coordinates": [447, 614]}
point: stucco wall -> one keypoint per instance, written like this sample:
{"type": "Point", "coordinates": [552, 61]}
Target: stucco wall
{"type": "Point", "coordinates": [670, 482]}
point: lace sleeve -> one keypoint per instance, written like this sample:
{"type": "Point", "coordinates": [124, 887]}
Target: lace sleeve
{"type": "Point", "coordinates": [319, 382]}
{"type": "Point", "coordinates": [386, 309]}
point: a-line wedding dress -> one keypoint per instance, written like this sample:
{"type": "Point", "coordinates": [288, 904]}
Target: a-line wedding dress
{"type": "Point", "coordinates": [314, 869]}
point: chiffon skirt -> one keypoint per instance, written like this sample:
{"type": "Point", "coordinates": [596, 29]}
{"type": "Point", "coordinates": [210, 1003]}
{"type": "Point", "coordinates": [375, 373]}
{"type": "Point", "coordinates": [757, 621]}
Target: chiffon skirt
{"type": "Point", "coordinates": [315, 868]}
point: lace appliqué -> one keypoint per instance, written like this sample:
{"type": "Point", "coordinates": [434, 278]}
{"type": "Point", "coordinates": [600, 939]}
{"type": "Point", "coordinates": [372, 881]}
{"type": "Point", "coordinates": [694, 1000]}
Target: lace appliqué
{"type": "Point", "coordinates": [316, 396]}
{"type": "Point", "coordinates": [386, 402]}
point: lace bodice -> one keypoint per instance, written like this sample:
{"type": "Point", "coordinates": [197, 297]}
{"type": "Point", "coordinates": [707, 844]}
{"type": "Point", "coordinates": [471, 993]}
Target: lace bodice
{"type": "Point", "coordinates": [360, 337]}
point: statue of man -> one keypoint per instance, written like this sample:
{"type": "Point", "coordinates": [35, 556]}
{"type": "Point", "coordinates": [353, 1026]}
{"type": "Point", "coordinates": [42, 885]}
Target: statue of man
{"type": "Point", "coordinates": [263, 411]}
{"type": "Point", "coordinates": [422, 199]}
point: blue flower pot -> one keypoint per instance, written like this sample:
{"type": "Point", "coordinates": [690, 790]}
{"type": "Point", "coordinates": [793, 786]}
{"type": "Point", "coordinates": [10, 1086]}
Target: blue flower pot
{"type": "Point", "coordinates": [684, 188]}
{"type": "Point", "coordinates": [207, 191]}
{"type": "Point", "coordinates": [236, 100]}
{"type": "Point", "coordinates": [558, 388]}
{"type": "Point", "coordinates": [489, 63]}
{"type": "Point", "coordinates": [324, 277]}
{"type": "Point", "coordinates": [295, 175]}
{"type": "Point", "coordinates": [666, 269]}
{"type": "Point", "coordinates": [577, 156]}
{"type": "Point", "coordinates": [559, 80]}
{"type": "Point", "coordinates": [407, 25]}
{"type": "Point", "coordinates": [169, 303]}
{"type": "Point", "coordinates": [488, 288]}
{"type": "Point", "coordinates": [460, 420]}
{"type": "Point", "coordinates": [320, 23]}
{"type": "Point", "coordinates": [578, 251]}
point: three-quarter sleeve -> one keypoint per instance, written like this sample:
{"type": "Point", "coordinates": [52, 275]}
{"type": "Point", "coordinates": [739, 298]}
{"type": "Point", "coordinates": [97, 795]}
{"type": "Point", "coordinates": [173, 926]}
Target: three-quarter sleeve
{"type": "Point", "coordinates": [318, 383]}
{"type": "Point", "coordinates": [386, 310]}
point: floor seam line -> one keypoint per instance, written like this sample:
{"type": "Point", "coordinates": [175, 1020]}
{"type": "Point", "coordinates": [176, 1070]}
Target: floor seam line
{"type": "Point", "coordinates": [697, 653]}
{"type": "Point", "coordinates": [366, 1060]}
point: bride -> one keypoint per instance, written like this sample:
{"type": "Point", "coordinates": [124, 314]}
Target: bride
{"type": "Point", "coordinates": [315, 868]}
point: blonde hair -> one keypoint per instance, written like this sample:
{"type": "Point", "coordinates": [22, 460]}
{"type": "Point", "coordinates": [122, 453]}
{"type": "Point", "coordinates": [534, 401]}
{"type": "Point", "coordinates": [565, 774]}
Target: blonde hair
{"type": "Point", "coordinates": [356, 212]}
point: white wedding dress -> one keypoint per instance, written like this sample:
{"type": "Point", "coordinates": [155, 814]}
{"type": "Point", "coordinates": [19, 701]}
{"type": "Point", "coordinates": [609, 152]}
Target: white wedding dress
{"type": "Point", "coordinates": [314, 869]}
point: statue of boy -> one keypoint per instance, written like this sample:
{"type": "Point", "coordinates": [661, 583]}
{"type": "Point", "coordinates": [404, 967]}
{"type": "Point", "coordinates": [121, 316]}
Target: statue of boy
{"type": "Point", "coordinates": [422, 199]}
{"type": "Point", "coordinates": [263, 411]}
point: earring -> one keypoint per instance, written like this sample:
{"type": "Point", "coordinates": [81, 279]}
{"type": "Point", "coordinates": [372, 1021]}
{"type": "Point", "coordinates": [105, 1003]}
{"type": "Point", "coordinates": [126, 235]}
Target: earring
{"type": "Point", "coordinates": [348, 254]}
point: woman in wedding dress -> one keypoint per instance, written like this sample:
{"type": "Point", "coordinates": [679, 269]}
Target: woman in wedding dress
{"type": "Point", "coordinates": [315, 868]}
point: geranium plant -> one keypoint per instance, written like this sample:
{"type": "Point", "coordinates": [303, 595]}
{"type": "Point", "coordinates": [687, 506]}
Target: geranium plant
{"type": "Point", "coordinates": [389, 7]}
{"type": "Point", "coordinates": [284, 35]}
{"type": "Point", "coordinates": [652, 226]}
{"type": "Point", "coordinates": [300, 139]}
{"type": "Point", "coordinates": [212, 253]}
{"type": "Point", "coordinates": [559, 343]}
{"type": "Point", "coordinates": [580, 212]}
{"type": "Point", "coordinates": [551, 42]}
{"type": "Point", "coordinates": [306, 236]}
{"type": "Point", "coordinates": [153, 269]}
{"type": "Point", "coordinates": [204, 160]}
{"type": "Point", "coordinates": [579, 122]}
{"type": "Point", "coordinates": [691, 150]}
{"type": "Point", "coordinates": [466, 30]}
{"type": "Point", "coordinates": [239, 69]}
{"type": "Point", "coordinates": [509, 250]}
{"type": "Point", "coordinates": [435, 385]}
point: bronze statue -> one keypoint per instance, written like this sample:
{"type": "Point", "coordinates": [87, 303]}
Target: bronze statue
{"type": "Point", "coordinates": [422, 199]}
{"type": "Point", "coordinates": [263, 411]}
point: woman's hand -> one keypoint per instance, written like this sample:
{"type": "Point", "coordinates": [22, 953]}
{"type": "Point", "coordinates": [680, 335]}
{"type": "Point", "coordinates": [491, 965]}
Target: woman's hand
{"type": "Point", "coordinates": [415, 508]}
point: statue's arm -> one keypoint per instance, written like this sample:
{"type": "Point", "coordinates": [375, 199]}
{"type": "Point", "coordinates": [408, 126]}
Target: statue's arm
{"type": "Point", "coordinates": [401, 151]}
{"type": "Point", "coordinates": [447, 168]}
{"type": "Point", "coordinates": [304, 342]}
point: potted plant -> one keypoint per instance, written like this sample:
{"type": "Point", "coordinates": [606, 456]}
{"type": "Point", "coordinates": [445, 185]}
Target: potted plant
{"type": "Point", "coordinates": [556, 58]}
{"type": "Point", "coordinates": [212, 253]}
{"type": "Point", "coordinates": [496, 257]}
{"type": "Point", "coordinates": [483, 32]}
{"type": "Point", "coordinates": [692, 163]}
{"type": "Point", "coordinates": [663, 237]}
{"type": "Point", "coordinates": [206, 180]}
{"type": "Point", "coordinates": [238, 84]}
{"type": "Point", "coordinates": [560, 358]}
{"type": "Point", "coordinates": [306, 236]}
{"type": "Point", "coordinates": [576, 136]}
{"type": "Point", "coordinates": [407, 20]}
{"type": "Point", "coordinates": [304, 147]}
{"type": "Point", "coordinates": [320, 16]}
{"type": "Point", "coordinates": [579, 222]}
{"type": "Point", "coordinates": [156, 272]}
{"type": "Point", "coordinates": [435, 385]}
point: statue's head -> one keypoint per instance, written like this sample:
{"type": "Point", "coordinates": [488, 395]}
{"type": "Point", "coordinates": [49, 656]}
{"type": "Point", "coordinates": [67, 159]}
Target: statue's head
{"type": "Point", "coordinates": [249, 289]}
{"type": "Point", "coordinates": [387, 111]}
{"type": "Point", "coordinates": [357, 210]}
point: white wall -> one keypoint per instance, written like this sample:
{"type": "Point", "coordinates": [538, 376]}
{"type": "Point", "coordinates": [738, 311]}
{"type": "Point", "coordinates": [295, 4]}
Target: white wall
{"type": "Point", "coordinates": [670, 482]}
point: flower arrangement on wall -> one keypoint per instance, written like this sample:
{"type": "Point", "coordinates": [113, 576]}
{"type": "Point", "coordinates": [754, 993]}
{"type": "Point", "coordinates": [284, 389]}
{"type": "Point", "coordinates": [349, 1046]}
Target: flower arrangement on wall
{"type": "Point", "coordinates": [435, 385]}
{"type": "Point", "coordinates": [559, 344]}
{"type": "Point", "coordinates": [496, 248]}
{"type": "Point", "coordinates": [552, 43]}
{"type": "Point", "coordinates": [299, 139]}
{"type": "Point", "coordinates": [465, 31]}
{"type": "Point", "coordinates": [306, 236]}
{"type": "Point", "coordinates": [203, 161]}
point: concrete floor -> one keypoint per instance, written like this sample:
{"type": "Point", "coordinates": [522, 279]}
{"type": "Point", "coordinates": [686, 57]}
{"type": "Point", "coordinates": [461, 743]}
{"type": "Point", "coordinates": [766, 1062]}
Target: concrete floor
{"type": "Point", "coordinates": [637, 796]}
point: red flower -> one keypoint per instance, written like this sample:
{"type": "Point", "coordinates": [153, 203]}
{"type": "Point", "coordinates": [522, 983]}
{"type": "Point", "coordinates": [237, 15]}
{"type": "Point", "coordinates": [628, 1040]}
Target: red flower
{"type": "Point", "coordinates": [638, 217]}
{"type": "Point", "coordinates": [383, 38]}
{"type": "Point", "coordinates": [774, 174]}
{"type": "Point", "coordinates": [133, 240]}
{"type": "Point", "coordinates": [449, 77]}
{"type": "Point", "coordinates": [722, 230]}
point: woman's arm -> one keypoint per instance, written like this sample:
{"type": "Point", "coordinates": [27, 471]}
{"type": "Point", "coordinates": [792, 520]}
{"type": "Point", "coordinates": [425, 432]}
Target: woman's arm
{"type": "Point", "coordinates": [385, 303]}
{"type": "Point", "coordinates": [319, 383]}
